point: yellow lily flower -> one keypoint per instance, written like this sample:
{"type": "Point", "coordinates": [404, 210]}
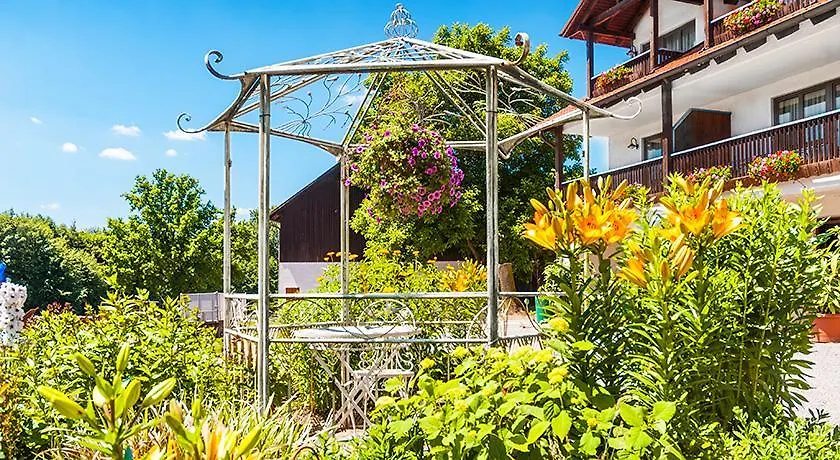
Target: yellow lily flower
{"type": "Point", "coordinates": [725, 221]}
{"type": "Point", "coordinates": [634, 272]}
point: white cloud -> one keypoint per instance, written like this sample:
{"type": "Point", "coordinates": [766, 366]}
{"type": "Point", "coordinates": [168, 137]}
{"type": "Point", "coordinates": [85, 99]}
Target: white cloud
{"type": "Point", "coordinates": [123, 130]}
{"type": "Point", "coordinates": [36, 120]}
{"type": "Point", "coordinates": [69, 147]}
{"type": "Point", "coordinates": [171, 153]}
{"type": "Point", "coordinates": [243, 213]}
{"type": "Point", "coordinates": [354, 99]}
{"type": "Point", "coordinates": [182, 136]}
{"type": "Point", "coordinates": [50, 206]}
{"type": "Point", "coordinates": [117, 153]}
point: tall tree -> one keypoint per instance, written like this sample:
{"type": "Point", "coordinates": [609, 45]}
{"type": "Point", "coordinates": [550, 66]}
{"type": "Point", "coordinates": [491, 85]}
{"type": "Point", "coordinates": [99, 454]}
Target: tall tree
{"type": "Point", "coordinates": [170, 243]}
{"type": "Point", "coordinates": [528, 171]}
{"type": "Point", "coordinates": [53, 261]}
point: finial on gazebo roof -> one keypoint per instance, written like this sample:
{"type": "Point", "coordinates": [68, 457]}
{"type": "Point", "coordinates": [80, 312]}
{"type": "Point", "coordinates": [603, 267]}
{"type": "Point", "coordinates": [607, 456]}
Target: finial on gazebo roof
{"type": "Point", "coordinates": [401, 24]}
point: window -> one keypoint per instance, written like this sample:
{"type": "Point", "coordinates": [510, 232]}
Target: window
{"type": "Point", "coordinates": [679, 39]}
{"type": "Point", "coordinates": [806, 103]}
{"type": "Point", "coordinates": [652, 147]}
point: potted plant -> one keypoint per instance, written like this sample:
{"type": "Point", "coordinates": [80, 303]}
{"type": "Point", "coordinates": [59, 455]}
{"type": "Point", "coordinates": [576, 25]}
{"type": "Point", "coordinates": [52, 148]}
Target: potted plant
{"type": "Point", "coordinates": [776, 167]}
{"type": "Point", "coordinates": [613, 77]}
{"type": "Point", "coordinates": [753, 16]}
{"type": "Point", "coordinates": [827, 323]}
{"type": "Point", "coordinates": [719, 173]}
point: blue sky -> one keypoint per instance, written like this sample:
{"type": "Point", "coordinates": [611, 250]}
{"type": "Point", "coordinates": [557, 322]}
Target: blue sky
{"type": "Point", "coordinates": [89, 92]}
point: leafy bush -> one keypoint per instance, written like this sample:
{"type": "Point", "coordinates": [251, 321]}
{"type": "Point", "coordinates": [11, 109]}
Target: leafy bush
{"type": "Point", "coordinates": [714, 173]}
{"type": "Point", "coordinates": [706, 304]}
{"type": "Point", "coordinates": [799, 439]}
{"type": "Point", "coordinates": [9, 417]}
{"type": "Point", "coordinates": [169, 343]}
{"type": "Point", "coordinates": [780, 166]}
{"type": "Point", "coordinates": [519, 405]}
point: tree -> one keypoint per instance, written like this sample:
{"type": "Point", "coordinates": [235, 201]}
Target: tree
{"type": "Point", "coordinates": [171, 241]}
{"type": "Point", "coordinates": [51, 260]}
{"type": "Point", "coordinates": [528, 171]}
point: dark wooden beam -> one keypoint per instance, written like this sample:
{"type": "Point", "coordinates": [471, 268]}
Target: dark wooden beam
{"type": "Point", "coordinates": [708, 17]}
{"type": "Point", "coordinates": [590, 63]}
{"type": "Point", "coordinates": [603, 31]}
{"type": "Point", "coordinates": [667, 127]}
{"type": "Point", "coordinates": [611, 12]}
{"type": "Point", "coordinates": [558, 156]}
{"type": "Point", "coordinates": [654, 34]}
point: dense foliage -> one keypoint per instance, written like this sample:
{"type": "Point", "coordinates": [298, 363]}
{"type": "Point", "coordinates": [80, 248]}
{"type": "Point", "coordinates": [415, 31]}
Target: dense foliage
{"type": "Point", "coordinates": [414, 98]}
{"type": "Point", "coordinates": [56, 263]}
{"type": "Point", "coordinates": [163, 245]}
{"type": "Point", "coordinates": [522, 405]}
{"type": "Point", "coordinates": [613, 77]}
{"type": "Point", "coordinates": [169, 344]}
{"type": "Point", "coordinates": [718, 173]}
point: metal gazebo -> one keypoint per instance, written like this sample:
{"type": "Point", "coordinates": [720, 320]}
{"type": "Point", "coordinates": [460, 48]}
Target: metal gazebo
{"type": "Point", "coordinates": [314, 90]}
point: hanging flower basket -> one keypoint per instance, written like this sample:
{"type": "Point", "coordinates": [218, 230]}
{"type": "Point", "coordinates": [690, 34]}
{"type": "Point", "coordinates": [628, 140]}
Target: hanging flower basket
{"type": "Point", "coordinates": [753, 16]}
{"type": "Point", "coordinates": [778, 167]}
{"type": "Point", "coordinates": [408, 171]}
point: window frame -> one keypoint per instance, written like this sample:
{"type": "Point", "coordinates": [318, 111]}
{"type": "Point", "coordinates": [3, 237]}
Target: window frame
{"type": "Point", "coordinates": [831, 97]}
{"type": "Point", "coordinates": [645, 140]}
{"type": "Point", "coordinates": [693, 29]}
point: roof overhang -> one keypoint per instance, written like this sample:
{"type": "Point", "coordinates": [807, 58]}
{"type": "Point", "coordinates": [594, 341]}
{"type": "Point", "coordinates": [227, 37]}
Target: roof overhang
{"type": "Point", "coordinates": [609, 22]}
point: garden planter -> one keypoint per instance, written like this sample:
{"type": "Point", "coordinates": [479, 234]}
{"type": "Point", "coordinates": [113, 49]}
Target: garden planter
{"type": "Point", "coordinates": [827, 328]}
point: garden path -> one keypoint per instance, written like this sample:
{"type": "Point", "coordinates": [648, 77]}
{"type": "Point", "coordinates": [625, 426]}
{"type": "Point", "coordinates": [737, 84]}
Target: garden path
{"type": "Point", "coordinates": [824, 380]}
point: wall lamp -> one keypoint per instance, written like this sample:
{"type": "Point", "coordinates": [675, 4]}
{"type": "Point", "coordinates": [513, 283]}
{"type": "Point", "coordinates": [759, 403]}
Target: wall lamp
{"type": "Point", "coordinates": [634, 144]}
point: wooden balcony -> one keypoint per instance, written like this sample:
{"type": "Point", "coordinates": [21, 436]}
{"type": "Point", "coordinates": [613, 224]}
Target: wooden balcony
{"type": "Point", "coordinates": [817, 139]}
{"type": "Point", "coordinates": [721, 34]}
{"type": "Point", "coordinates": [639, 67]}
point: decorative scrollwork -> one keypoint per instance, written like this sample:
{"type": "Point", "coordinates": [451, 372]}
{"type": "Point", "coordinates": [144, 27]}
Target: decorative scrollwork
{"type": "Point", "coordinates": [338, 100]}
{"type": "Point", "coordinates": [401, 24]}
{"type": "Point", "coordinates": [184, 116]}
{"type": "Point", "coordinates": [218, 58]}
{"type": "Point", "coordinates": [523, 41]}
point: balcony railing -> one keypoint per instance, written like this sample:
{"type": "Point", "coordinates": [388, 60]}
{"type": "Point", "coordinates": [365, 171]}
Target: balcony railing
{"type": "Point", "coordinates": [816, 139]}
{"type": "Point", "coordinates": [639, 67]}
{"type": "Point", "coordinates": [720, 33]}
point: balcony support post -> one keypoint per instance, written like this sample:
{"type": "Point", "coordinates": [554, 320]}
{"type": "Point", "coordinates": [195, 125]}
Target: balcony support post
{"type": "Point", "coordinates": [558, 156]}
{"type": "Point", "coordinates": [667, 127]}
{"type": "Point", "coordinates": [654, 34]}
{"type": "Point", "coordinates": [708, 17]}
{"type": "Point", "coordinates": [590, 63]}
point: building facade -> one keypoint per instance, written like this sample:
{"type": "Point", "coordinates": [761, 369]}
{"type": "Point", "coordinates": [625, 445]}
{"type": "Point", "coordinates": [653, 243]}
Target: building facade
{"type": "Point", "coordinates": [716, 91]}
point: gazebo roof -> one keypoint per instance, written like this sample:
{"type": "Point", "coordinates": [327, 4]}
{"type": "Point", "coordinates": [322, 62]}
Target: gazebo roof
{"type": "Point", "coordinates": [316, 88]}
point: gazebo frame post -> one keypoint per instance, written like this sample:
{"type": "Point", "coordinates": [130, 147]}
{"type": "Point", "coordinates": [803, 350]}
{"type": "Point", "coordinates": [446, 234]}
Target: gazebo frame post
{"type": "Point", "coordinates": [226, 245]}
{"type": "Point", "coordinates": [263, 275]}
{"type": "Point", "coordinates": [492, 185]}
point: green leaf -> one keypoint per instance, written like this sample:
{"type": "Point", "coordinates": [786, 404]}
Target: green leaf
{"type": "Point", "coordinates": [633, 416]}
{"type": "Point", "coordinates": [583, 345]}
{"type": "Point", "coordinates": [589, 443]}
{"type": "Point", "coordinates": [663, 410]}
{"type": "Point", "coordinates": [561, 424]}
{"type": "Point", "coordinates": [536, 431]}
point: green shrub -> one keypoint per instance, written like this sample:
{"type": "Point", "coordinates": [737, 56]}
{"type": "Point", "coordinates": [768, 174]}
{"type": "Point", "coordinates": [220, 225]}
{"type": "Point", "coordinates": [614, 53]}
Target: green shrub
{"type": "Point", "coordinates": [799, 439]}
{"type": "Point", "coordinates": [522, 405]}
{"type": "Point", "coordinates": [167, 341]}
{"type": "Point", "coordinates": [707, 303]}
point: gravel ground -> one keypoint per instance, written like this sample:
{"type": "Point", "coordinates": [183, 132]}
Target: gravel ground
{"type": "Point", "coordinates": [825, 380]}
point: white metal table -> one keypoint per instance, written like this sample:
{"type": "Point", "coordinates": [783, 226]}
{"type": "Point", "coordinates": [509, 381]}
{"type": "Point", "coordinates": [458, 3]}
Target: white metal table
{"type": "Point", "coordinates": [356, 385]}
